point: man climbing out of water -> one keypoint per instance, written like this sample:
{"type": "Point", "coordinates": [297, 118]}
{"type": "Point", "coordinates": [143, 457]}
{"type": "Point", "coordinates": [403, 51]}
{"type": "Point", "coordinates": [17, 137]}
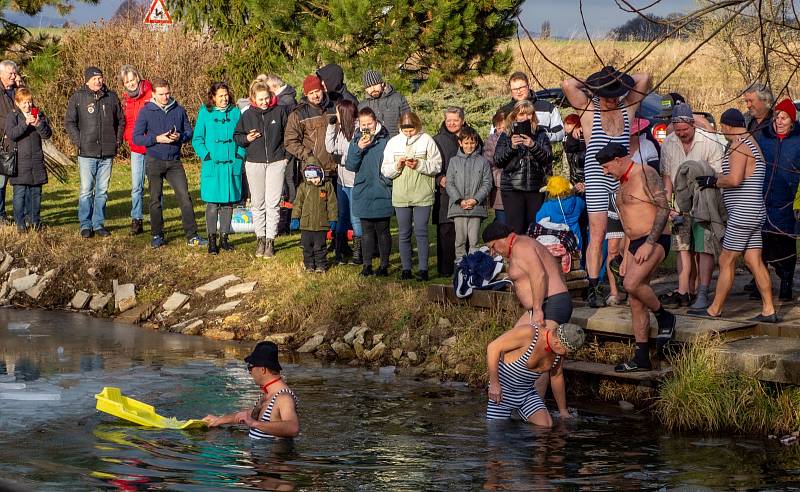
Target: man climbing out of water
{"type": "Point", "coordinates": [540, 288]}
{"type": "Point", "coordinates": [275, 413]}
{"type": "Point", "coordinates": [643, 211]}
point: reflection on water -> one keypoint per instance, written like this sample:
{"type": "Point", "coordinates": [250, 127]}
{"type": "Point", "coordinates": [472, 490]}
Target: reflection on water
{"type": "Point", "coordinates": [361, 430]}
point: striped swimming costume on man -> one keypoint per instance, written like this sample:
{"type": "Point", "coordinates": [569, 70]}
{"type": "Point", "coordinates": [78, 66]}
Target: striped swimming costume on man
{"type": "Point", "coordinates": [266, 415]}
{"type": "Point", "coordinates": [598, 185]}
{"type": "Point", "coordinates": [745, 204]}
{"type": "Point", "coordinates": [516, 384]}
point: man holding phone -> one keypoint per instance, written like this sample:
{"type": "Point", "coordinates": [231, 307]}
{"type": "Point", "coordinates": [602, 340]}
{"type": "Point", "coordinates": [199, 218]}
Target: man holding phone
{"type": "Point", "coordinates": [162, 127]}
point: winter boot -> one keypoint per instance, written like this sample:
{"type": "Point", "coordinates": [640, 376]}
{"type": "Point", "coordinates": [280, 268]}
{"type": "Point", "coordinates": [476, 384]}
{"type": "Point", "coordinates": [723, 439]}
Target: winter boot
{"type": "Point", "coordinates": [213, 249]}
{"type": "Point", "coordinates": [224, 244]}
{"type": "Point", "coordinates": [357, 258]}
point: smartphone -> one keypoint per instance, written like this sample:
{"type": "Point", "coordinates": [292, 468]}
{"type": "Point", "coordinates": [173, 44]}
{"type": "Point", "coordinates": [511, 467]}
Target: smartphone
{"type": "Point", "coordinates": [34, 111]}
{"type": "Point", "coordinates": [366, 132]}
{"type": "Point", "coordinates": [258, 133]}
{"type": "Point", "coordinates": [521, 128]}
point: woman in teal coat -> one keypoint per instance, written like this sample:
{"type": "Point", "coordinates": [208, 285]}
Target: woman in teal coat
{"type": "Point", "coordinates": [222, 161]}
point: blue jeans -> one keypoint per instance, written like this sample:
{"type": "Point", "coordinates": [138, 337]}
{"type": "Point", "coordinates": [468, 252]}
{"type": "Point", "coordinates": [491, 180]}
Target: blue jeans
{"type": "Point", "coordinates": [344, 197]}
{"type": "Point", "coordinates": [27, 204]}
{"type": "Point", "coordinates": [500, 216]}
{"type": "Point", "coordinates": [137, 186]}
{"type": "Point", "coordinates": [95, 176]}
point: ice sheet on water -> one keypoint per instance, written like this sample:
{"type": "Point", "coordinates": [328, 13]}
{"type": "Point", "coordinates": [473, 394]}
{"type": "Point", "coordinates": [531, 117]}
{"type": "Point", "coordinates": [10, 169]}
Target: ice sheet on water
{"type": "Point", "coordinates": [18, 326]}
{"type": "Point", "coordinates": [30, 396]}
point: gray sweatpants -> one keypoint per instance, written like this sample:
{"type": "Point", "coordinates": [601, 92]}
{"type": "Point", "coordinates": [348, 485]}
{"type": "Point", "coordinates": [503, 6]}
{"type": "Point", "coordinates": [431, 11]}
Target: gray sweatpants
{"type": "Point", "coordinates": [419, 216]}
{"type": "Point", "coordinates": [467, 228]}
{"type": "Point", "coordinates": [266, 187]}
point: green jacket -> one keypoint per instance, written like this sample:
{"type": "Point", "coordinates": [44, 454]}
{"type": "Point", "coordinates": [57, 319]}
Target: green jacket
{"type": "Point", "coordinates": [315, 206]}
{"type": "Point", "coordinates": [222, 159]}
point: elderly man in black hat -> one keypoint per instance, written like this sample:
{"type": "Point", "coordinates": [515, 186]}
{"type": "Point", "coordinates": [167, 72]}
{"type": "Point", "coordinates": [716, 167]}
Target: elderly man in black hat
{"type": "Point", "coordinates": [606, 102]}
{"type": "Point", "coordinates": [643, 211]}
{"type": "Point", "coordinates": [275, 413]}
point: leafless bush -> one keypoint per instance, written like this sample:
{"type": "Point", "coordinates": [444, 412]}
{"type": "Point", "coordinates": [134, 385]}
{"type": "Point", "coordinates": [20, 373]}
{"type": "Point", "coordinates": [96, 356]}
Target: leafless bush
{"type": "Point", "coordinates": [182, 58]}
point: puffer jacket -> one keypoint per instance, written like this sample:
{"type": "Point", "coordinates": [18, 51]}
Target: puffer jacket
{"type": "Point", "coordinates": [222, 159]}
{"type": "Point", "coordinates": [337, 146]}
{"type": "Point", "coordinates": [781, 178]}
{"type": "Point", "coordinates": [372, 192]}
{"type": "Point", "coordinates": [448, 147]}
{"type": "Point", "coordinates": [315, 206]}
{"type": "Point", "coordinates": [94, 122]}
{"type": "Point", "coordinates": [524, 168]}
{"type": "Point", "coordinates": [31, 170]}
{"type": "Point", "coordinates": [412, 187]}
{"type": "Point", "coordinates": [305, 133]}
{"type": "Point", "coordinates": [468, 176]}
{"type": "Point", "coordinates": [271, 123]}
{"type": "Point", "coordinates": [388, 107]}
{"type": "Point", "coordinates": [130, 108]}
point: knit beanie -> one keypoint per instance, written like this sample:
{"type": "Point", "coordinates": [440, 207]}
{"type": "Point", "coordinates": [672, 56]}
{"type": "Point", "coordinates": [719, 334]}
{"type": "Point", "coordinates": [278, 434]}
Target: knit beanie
{"type": "Point", "coordinates": [788, 107]}
{"type": "Point", "coordinates": [371, 77]}
{"type": "Point", "coordinates": [91, 72]}
{"type": "Point", "coordinates": [733, 118]}
{"type": "Point", "coordinates": [311, 83]}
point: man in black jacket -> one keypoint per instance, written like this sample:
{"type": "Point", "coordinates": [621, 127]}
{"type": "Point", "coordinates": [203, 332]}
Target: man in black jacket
{"type": "Point", "coordinates": [447, 141]}
{"type": "Point", "coordinates": [95, 124]}
{"type": "Point", "coordinates": [8, 87]}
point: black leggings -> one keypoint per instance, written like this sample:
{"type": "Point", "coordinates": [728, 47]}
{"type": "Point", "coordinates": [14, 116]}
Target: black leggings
{"type": "Point", "coordinates": [223, 211]}
{"type": "Point", "coordinates": [521, 208]}
{"type": "Point", "coordinates": [376, 231]}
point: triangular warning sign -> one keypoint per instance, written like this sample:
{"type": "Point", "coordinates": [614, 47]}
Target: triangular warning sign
{"type": "Point", "coordinates": [157, 13]}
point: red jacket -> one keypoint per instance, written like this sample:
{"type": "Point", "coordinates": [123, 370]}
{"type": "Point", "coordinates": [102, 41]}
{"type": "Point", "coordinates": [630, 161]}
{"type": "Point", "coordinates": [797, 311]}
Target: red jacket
{"type": "Point", "coordinates": [131, 107]}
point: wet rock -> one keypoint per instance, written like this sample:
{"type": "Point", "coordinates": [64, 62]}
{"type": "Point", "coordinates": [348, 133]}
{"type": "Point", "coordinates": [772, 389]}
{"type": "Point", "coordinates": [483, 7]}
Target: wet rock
{"type": "Point", "coordinates": [377, 338]}
{"type": "Point", "coordinates": [175, 302]}
{"type": "Point", "coordinates": [16, 273]}
{"type": "Point", "coordinates": [80, 300]}
{"type": "Point", "coordinates": [240, 289]}
{"type": "Point", "coordinates": [216, 284]}
{"type": "Point", "coordinates": [226, 308]}
{"type": "Point", "coordinates": [137, 314]}
{"type": "Point", "coordinates": [99, 301]}
{"type": "Point", "coordinates": [124, 297]}
{"type": "Point", "coordinates": [219, 334]}
{"type": "Point", "coordinates": [24, 283]}
{"type": "Point", "coordinates": [359, 349]}
{"type": "Point", "coordinates": [37, 290]}
{"type": "Point", "coordinates": [188, 327]}
{"type": "Point", "coordinates": [412, 357]}
{"type": "Point", "coordinates": [7, 261]}
{"type": "Point", "coordinates": [376, 352]}
{"type": "Point", "coordinates": [397, 354]}
{"type": "Point", "coordinates": [311, 344]}
{"type": "Point", "coordinates": [626, 405]}
{"type": "Point", "coordinates": [351, 335]}
{"type": "Point", "coordinates": [343, 350]}
{"type": "Point", "coordinates": [279, 338]}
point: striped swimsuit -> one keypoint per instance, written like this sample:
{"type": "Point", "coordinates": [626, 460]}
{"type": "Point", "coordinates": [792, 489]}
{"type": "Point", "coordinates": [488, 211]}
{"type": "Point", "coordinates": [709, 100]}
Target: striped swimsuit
{"type": "Point", "coordinates": [267, 414]}
{"type": "Point", "coordinates": [598, 186]}
{"type": "Point", "coordinates": [745, 204]}
{"type": "Point", "coordinates": [516, 384]}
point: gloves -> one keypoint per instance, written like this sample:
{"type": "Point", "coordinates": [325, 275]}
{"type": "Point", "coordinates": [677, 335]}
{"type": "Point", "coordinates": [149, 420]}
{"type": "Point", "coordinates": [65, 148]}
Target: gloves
{"type": "Point", "coordinates": [333, 225]}
{"type": "Point", "coordinates": [706, 182]}
{"type": "Point", "coordinates": [295, 225]}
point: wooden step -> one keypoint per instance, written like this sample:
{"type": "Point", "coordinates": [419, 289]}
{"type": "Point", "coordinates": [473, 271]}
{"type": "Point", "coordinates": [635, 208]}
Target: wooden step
{"type": "Point", "coordinates": [616, 320]}
{"type": "Point", "coordinates": [607, 371]}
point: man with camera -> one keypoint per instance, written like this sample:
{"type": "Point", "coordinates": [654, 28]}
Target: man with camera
{"type": "Point", "coordinates": [686, 143]}
{"type": "Point", "coordinates": [162, 127]}
{"type": "Point", "coordinates": [546, 113]}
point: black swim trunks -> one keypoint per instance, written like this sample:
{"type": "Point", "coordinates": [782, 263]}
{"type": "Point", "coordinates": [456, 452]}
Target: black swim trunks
{"type": "Point", "coordinates": [664, 240]}
{"type": "Point", "coordinates": [558, 308]}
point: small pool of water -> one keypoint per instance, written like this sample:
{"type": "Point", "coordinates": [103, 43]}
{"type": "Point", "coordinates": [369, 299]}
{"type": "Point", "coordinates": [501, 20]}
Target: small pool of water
{"type": "Point", "coordinates": [361, 430]}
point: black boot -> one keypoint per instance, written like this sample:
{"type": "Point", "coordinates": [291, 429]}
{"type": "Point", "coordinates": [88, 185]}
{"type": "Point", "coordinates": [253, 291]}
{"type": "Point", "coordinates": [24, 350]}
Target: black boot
{"type": "Point", "coordinates": [224, 244]}
{"type": "Point", "coordinates": [357, 258]}
{"type": "Point", "coordinates": [212, 244]}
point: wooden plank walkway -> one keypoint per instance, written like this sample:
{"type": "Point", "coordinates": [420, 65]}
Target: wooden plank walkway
{"type": "Point", "coordinates": [607, 370]}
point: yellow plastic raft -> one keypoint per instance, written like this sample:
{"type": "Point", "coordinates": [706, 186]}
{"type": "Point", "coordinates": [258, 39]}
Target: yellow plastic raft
{"type": "Point", "coordinates": [112, 402]}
